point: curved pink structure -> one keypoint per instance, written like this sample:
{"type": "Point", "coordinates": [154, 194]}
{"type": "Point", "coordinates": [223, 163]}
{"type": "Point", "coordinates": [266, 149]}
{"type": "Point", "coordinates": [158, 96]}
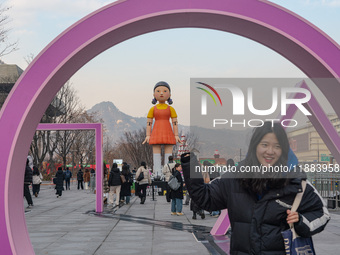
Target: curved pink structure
{"type": "Point", "coordinates": [279, 29]}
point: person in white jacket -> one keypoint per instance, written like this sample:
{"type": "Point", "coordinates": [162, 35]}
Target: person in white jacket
{"type": "Point", "coordinates": [143, 182]}
{"type": "Point", "coordinates": [37, 180]}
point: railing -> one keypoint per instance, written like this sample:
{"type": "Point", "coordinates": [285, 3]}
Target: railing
{"type": "Point", "coordinates": [328, 186]}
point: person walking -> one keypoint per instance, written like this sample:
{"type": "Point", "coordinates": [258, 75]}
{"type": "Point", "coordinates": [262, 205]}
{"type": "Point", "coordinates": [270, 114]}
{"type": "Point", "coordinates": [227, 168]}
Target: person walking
{"type": "Point", "coordinates": [106, 188]}
{"type": "Point", "coordinates": [27, 182]}
{"type": "Point", "coordinates": [67, 177]}
{"type": "Point", "coordinates": [59, 185]}
{"type": "Point", "coordinates": [259, 205]}
{"type": "Point", "coordinates": [93, 180]}
{"type": "Point", "coordinates": [143, 182]}
{"type": "Point", "coordinates": [125, 192]}
{"type": "Point", "coordinates": [37, 180]}
{"type": "Point", "coordinates": [167, 171]}
{"type": "Point", "coordinates": [87, 178]}
{"type": "Point", "coordinates": [115, 184]}
{"type": "Point", "coordinates": [80, 179]}
{"type": "Point", "coordinates": [176, 196]}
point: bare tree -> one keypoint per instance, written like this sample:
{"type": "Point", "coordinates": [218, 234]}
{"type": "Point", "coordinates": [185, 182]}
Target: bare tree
{"type": "Point", "coordinates": [108, 149]}
{"type": "Point", "coordinates": [6, 47]}
{"type": "Point", "coordinates": [65, 108]}
{"type": "Point", "coordinates": [84, 143]}
{"type": "Point", "coordinates": [131, 149]}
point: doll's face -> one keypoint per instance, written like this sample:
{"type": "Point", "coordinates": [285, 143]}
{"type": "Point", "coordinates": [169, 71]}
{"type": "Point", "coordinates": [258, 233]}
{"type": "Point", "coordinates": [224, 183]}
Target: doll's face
{"type": "Point", "coordinates": [161, 94]}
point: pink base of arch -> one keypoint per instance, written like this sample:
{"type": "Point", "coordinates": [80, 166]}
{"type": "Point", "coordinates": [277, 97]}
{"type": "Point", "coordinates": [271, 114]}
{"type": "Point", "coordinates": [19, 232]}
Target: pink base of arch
{"type": "Point", "coordinates": [98, 128]}
{"type": "Point", "coordinates": [262, 21]}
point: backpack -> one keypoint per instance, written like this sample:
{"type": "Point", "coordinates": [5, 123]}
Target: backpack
{"type": "Point", "coordinates": [67, 175]}
{"type": "Point", "coordinates": [173, 183]}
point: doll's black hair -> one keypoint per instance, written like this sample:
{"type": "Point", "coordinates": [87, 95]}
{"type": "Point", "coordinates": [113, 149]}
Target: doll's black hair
{"type": "Point", "coordinates": [164, 84]}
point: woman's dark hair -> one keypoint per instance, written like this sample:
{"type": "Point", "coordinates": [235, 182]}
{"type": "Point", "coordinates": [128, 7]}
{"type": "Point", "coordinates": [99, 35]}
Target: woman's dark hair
{"type": "Point", "coordinates": [177, 165]}
{"type": "Point", "coordinates": [230, 162]}
{"type": "Point", "coordinates": [114, 165]}
{"type": "Point", "coordinates": [104, 168]}
{"type": "Point", "coordinates": [143, 164]}
{"type": "Point", "coordinates": [125, 170]}
{"type": "Point", "coordinates": [35, 170]}
{"type": "Point", "coordinates": [259, 185]}
{"type": "Point", "coordinates": [207, 163]}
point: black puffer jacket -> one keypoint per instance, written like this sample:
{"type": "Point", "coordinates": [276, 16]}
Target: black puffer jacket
{"type": "Point", "coordinates": [60, 180]}
{"type": "Point", "coordinates": [257, 224]}
{"type": "Point", "coordinates": [28, 175]}
{"type": "Point", "coordinates": [114, 179]}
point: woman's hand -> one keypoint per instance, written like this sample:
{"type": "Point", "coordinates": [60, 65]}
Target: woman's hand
{"type": "Point", "coordinates": [147, 139]}
{"type": "Point", "coordinates": [178, 140]}
{"type": "Point", "coordinates": [292, 217]}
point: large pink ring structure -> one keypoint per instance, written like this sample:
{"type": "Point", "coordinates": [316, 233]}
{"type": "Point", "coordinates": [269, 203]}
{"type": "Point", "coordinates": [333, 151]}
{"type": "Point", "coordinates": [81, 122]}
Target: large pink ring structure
{"type": "Point", "coordinates": [294, 38]}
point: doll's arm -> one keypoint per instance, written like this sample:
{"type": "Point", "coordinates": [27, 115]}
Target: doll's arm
{"type": "Point", "coordinates": [148, 130]}
{"type": "Point", "coordinates": [175, 127]}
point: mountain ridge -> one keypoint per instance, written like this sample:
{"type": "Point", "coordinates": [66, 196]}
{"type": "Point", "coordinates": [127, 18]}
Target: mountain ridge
{"type": "Point", "coordinates": [228, 142]}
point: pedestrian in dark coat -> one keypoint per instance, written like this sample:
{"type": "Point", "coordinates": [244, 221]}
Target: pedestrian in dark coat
{"type": "Point", "coordinates": [27, 181]}
{"type": "Point", "coordinates": [68, 176]}
{"type": "Point", "coordinates": [115, 184]}
{"type": "Point", "coordinates": [177, 195]}
{"type": "Point", "coordinates": [59, 185]}
{"type": "Point", "coordinates": [125, 192]}
{"type": "Point", "coordinates": [80, 179]}
{"type": "Point", "coordinates": [259, 208]}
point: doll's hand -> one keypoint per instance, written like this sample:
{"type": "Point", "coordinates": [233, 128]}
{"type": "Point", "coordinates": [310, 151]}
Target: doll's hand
{"type": "Point", "coordinates": [292, 217]}
{"type": "Point", "coordinates": [147, 139]}
{"type": "Point", "coordinates": [178, 140]}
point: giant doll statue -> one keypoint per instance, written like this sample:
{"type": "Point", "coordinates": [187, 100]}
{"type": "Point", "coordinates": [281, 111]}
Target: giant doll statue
{"type": "Point", "coordinates": [161, 133]}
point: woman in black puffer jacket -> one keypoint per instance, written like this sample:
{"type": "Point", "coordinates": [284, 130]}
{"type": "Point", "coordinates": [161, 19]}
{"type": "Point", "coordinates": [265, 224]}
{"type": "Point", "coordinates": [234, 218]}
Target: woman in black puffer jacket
{"type": "Point", "coordinates": [259, 208]}
{"type": "Point", "coordinates": [115, 184]}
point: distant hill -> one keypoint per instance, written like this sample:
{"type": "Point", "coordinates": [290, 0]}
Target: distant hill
{"type": "Point", "coordinates": [115, 121]}
{"type": "Point", "coordinates": [228, 142]}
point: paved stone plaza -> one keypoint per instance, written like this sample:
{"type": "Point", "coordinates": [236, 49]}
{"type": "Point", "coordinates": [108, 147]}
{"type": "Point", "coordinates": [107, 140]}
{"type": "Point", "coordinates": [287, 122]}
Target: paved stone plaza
{"type": "Point", "coordinates": [68, 225]}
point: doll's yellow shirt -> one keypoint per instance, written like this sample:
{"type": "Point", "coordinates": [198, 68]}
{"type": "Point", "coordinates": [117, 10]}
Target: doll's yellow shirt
{"type": "Point", "coordinates": [173, 113]}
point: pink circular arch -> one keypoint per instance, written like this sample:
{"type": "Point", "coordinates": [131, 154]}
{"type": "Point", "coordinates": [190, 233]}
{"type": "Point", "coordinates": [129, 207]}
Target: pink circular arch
{"type": "Point", "coordinates": [271, 25]}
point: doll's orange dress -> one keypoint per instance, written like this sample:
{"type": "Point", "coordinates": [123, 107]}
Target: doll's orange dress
{"type": "Point", "coordinates": [162, 131]}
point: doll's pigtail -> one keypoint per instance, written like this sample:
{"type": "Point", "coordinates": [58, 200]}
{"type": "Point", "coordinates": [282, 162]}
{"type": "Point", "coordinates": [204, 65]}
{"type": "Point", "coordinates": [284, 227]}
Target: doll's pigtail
{"type": "Point", "coordinates": [154, 101]}
{"type": "Point", "coordinates": [170, 101]}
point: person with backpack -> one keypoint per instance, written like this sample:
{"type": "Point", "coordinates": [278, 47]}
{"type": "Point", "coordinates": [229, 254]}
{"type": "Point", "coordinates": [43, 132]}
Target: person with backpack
{"type": "Point", "coordinates": [80, 179]}
{"type": "Point", "coordinates": [67, 176]}
{"type": "Point", "coordinates": [167, 169]}
{"type": "Point", "coordinates": [177, 195]}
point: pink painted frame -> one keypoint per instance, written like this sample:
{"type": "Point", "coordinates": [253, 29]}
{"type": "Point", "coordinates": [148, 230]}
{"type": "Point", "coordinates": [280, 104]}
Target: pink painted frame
{"type": "Point", "coordinates": [306, 46]}
{"type": "Point", "coordinates": [98, 128]}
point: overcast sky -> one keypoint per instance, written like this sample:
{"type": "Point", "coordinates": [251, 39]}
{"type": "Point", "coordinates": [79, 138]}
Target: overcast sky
{"type": "Point", "coordinates": [126, 73]}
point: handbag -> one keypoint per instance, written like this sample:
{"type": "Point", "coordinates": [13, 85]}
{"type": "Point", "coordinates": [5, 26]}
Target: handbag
{"type": "Point", "coordinates": [140, 176]}
{"type": "Point", "coordinates": [55, 180]}
{"type": "Point", "coordinates": [294, 244]}
{"type": "Point", "coordinates": [173, 183]}
{"type": "Point", "coordinates": [122, 178]}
